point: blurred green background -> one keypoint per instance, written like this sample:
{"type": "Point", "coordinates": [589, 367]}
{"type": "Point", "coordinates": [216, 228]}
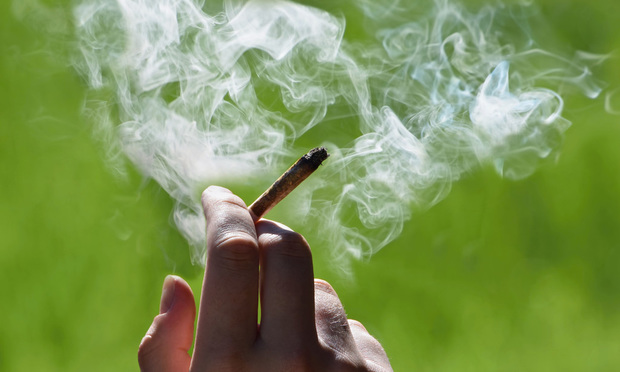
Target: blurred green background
{"type": "Point", "coordinates": [500, 276]}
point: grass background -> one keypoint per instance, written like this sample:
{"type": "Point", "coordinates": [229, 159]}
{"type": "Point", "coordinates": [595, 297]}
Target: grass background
{"type": "Point", "coordinates": [500, 276]}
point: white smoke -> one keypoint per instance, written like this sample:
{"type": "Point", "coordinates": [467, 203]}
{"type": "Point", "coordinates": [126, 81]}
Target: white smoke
{"type": "Point", "coordinates": [231, 91]}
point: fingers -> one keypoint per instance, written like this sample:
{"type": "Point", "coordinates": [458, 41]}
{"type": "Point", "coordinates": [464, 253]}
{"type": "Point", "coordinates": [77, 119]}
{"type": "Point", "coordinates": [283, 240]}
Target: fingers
{"type": "Point", "coordinates": [300, 316]}
{"type": "Point", "coordinates": [167, 342]}
{"type": "Point", "coordinates": [369, 347]}
{"type": "Point", "coordinates": [286, 287]}
{"type": "Point", "coordinates": [331, 321]}
{"type": "Point", "coordinates": [228, 308]}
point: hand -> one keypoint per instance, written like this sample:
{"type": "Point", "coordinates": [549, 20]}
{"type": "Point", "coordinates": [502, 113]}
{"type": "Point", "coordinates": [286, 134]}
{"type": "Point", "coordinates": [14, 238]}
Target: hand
{"type": "Point", "coordinates": [303, 326]}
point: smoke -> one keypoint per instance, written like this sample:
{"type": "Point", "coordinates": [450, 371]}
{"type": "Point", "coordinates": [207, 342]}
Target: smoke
{"type": "Point", "coordinates": [212, 92]}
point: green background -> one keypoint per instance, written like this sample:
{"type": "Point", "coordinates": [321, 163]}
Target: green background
{"type": "Point", "coordinates": [500, 276]}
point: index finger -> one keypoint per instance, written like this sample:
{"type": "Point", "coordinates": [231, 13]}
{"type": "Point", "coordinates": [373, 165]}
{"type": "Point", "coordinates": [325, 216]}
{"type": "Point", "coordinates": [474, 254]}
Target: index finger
{"type": "Point", "coordinates": [227, 320]}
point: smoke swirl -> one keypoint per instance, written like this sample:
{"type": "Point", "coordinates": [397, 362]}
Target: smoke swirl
{"type": "Point", "coordinates": [232, 91]}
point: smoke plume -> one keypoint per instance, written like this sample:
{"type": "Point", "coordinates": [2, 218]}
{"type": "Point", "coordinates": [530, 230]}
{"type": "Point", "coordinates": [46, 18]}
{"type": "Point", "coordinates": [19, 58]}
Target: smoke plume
{"type": "Point", "coordinates": [412, 101]}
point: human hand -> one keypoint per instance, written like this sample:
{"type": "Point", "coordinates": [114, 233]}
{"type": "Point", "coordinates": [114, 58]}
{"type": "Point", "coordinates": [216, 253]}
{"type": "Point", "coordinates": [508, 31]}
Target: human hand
{"type": "Point", "coordinates": [303, 326]}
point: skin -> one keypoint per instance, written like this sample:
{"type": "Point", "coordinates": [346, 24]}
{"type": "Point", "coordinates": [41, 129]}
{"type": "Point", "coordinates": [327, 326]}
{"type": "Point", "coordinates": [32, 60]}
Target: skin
{"type": "Point", "coordinates": [303, 324]}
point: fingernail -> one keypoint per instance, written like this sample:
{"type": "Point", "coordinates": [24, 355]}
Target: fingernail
{"type": "Point", "coordinates": [219, 189]}
{"type": "Point", "coordinates": [167, 295]}
{"type": "Point", "coordinates": [324, 287]}
{"type": "Point", "coordinates": [209, 191]}
{"type": "Point", "coordinates": [355, 323]}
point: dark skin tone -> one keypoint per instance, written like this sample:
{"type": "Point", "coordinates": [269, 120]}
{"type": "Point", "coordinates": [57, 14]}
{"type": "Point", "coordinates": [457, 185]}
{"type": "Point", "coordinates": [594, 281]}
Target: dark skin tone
{"type": "Point", "coordinates": [303, 324]}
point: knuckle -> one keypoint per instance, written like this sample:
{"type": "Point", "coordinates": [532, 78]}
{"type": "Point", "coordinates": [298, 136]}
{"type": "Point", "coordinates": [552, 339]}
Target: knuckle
{"type": "Point", "coordinates": [287, 243]}
{"type": "Point", "coordinates": [236, 251]}
{"type": "Point", "coordinates": [148, 350]}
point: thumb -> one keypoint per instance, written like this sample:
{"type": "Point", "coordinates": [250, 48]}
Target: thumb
{"type": "Point", "coordinates": [167, 342]}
